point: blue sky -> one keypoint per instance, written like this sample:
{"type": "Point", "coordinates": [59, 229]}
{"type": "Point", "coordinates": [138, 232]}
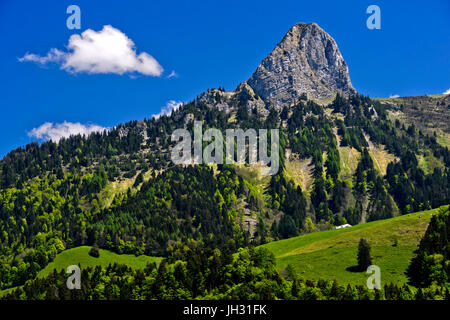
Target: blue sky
{"type": "Point", "coordinates": [208, 44]}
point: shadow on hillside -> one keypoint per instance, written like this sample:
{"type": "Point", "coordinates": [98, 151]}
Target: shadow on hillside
{"type": "Point", "coordinates": [355, 269]}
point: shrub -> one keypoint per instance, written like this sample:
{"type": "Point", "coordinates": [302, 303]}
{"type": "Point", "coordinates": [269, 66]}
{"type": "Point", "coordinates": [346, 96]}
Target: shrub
{"type": "Point", "coordinates": [94, 252]}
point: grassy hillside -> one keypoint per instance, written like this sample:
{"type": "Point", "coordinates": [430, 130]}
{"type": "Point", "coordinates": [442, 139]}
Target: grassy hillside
{"type": "Point", "coordinates": [300, 171]}
{"type": "Point", "coordinates": [332, 254]}
{"type": "Point", "coordinates": [430, 113]}
{"type": "Point", "coordinates": [80, 256]}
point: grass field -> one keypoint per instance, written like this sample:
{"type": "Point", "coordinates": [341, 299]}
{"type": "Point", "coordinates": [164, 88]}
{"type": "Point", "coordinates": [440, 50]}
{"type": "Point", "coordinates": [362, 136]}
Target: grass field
{"type": "Point", "coordinates": [300, 171]}
{"type": "Point", "coordinates": [80, 256]}
{"type": "Point", "coordinates": [349, 161]}
{"type": "Point", "coordinates": [113, 188]}
{"type": "Point", "coordinates": [329, 254]}
{"type": "Point", "coordinates": [381, 158]}
{"type": "Point", "coordinates": [320, 255]}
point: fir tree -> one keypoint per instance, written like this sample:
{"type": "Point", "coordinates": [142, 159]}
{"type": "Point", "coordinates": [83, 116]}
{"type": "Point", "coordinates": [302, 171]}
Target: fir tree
{"type": "Point", "coordinates": [364, 259]}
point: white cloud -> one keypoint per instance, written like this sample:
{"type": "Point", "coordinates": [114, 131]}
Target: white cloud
{"type": "Point", "coordinates": [50, 131]}
{"type": "Point", "coordinates": [394, 96]}
{"type": "Point", "coordinates": [105, 51]}
{"type": "Point", "coordinates": [173, 74]}
{"type": "Point", "coordinates": [447, 92]}
{"type": "Point", "coordinates": [54, 55]}
{"type": "Point", "coordinates": [167, 109]}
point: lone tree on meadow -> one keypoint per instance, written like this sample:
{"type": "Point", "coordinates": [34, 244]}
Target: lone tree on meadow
{"type": "Point", "coordinates": [364, 259]}
{"type": "Point", "coordinates": [94, 252]}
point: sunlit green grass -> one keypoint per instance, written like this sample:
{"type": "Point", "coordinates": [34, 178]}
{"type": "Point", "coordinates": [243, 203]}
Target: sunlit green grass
{"type": "Point", "coordinates": [80, 255]}
{"type": "Point", "coordinates": [329, 254]}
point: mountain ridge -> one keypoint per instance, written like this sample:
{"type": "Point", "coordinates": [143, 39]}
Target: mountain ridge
{"type": "Point", "coordinates": [55, 196]}
{"type": "Point", "coordinates": [307, 60]}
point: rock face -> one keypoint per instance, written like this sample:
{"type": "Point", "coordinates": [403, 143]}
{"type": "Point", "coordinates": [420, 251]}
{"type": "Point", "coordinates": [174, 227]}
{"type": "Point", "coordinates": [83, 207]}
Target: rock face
{"type": "Point", "coordinates": [307, 60]}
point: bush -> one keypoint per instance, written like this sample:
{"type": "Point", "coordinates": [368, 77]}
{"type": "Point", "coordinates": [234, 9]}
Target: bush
{"type": "Point", "coordinates": [94, 252]}
{"type": "Point", "coordinates": [395, 244]}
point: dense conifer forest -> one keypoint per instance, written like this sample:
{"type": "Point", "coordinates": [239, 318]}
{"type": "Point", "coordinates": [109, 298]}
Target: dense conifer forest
{"type": "Point", "coordinates": [52, 198]}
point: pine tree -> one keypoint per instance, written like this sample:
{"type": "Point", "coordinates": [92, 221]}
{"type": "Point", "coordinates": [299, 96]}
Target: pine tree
{"type": "Point", "coordinates": [364, 259]}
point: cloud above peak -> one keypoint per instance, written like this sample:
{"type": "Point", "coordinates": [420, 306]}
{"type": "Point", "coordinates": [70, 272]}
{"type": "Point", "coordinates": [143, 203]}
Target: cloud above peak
{"type": "Point", "coordinates": [106, 51]}
{"type": "Point", "coordinates": [168, 108]}
{"type": "Point", "coordinates": [54, 132]}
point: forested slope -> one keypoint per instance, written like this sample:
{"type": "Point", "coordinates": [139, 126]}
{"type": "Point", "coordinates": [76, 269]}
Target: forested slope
{"type": "Point", "coordinates": [53, 195]}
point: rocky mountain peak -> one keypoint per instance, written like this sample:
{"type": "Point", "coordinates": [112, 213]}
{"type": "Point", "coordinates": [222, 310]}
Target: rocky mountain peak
{"type": "Point", "coordinates": [307, 60]}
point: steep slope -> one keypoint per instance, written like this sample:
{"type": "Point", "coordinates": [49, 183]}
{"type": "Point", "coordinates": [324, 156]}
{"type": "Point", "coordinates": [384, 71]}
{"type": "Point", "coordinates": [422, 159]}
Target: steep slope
{"type": "Point", "coordinates": [308, 61]}
{"type": "Point", "coordinates": [332, 254]}
{"type": "Point", "coordinates": [429, 113]}
{"type": "Point", "coordinates": [120, 190]}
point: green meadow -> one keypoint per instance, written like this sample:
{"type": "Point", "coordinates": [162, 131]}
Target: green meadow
{"type": "Point", "coordinates": [332, 254]}
{"type": "Point", "coordinates": [320, 255]}
{"type": "Point", "coordinates": [80, 255]}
